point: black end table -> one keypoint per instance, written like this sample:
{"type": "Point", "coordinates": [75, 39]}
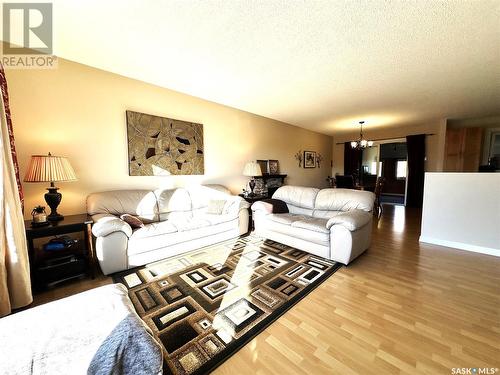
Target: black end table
{"type": "Point", "coordinates": [70, 224]}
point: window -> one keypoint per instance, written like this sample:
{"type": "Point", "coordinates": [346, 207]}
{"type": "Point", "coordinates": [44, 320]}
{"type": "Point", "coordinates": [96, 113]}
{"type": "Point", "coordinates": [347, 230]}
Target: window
{"type": "Point", "coordinates": [380, 164]}
{"type": "Point", "coordinates": [401, 169]}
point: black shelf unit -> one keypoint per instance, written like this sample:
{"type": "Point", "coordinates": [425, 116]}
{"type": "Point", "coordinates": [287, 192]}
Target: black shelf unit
{"type": "Point", "coordinates": [50, 268]}
{"type": "Point", "coordinates": [266, 177]}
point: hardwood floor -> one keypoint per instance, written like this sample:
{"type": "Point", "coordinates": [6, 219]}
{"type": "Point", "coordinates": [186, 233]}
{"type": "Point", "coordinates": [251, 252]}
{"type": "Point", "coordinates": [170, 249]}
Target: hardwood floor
{"type": "Point", "coordinates": [401, 308]}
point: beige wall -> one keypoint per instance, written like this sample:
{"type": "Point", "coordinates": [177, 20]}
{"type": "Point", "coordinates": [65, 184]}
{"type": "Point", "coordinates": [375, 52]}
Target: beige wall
{"type": "Point", "coordinates": [470, 225]}
{"type": "Point", "coordinates": [434, 144]}
{"type": "Point", "coordinates": [79, 112]}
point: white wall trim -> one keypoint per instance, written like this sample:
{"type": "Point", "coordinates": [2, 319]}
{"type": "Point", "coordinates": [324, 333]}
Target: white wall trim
{"type": "Point", "coordinates": [461, 246]}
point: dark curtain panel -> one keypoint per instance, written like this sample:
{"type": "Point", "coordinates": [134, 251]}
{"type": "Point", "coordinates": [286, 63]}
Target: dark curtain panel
{"type": "Point", "coordinates": [5, 95]}
{"type": "Point", "coordinates": [352, 160]}
{"type": "Point", "coordinates": [416, 170]}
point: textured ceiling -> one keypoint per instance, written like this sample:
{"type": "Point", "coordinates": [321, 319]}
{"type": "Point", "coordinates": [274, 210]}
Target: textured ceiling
{"type": "Point", "coordinates": [322, 65]}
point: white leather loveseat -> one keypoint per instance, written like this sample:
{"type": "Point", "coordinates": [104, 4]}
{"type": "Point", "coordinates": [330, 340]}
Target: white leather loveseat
{"type": "Point", "coordinates": [176, 221]}
{"type": "Point", "coordinates": [332, 223]}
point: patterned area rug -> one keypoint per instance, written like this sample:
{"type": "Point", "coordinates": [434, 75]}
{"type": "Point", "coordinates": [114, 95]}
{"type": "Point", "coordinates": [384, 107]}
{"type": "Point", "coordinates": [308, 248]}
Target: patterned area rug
{"type": "Point", "coordinates": [206, 304]}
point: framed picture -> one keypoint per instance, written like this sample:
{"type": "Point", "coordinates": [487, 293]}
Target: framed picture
{"type": "Point", "coordinates": [263, 166]}
{"type": "Point", "coordinates": [273, 166]}
{"type": "Point", "coordinates": [309, 159]}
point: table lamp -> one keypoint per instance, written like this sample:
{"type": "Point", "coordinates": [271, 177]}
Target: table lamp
{"type": "Point", "coordinates": [49, 168]}
{"type": "Point", "coordinates": [252, 169]}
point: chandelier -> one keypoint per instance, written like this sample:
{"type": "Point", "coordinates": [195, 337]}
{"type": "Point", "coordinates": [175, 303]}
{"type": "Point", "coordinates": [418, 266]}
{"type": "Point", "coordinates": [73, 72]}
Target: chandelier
{"type": "Point", "coordinates": [361, 142]}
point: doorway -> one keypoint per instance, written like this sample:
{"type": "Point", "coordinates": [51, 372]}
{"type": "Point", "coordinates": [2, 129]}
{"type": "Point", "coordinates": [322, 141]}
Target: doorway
{"type": "Point", "coordinates": [387, 159]}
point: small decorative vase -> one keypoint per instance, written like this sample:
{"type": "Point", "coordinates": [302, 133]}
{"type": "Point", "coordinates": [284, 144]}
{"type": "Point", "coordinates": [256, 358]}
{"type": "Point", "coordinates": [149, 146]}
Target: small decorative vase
{"type": "Point", "coordinates": [39, 215]}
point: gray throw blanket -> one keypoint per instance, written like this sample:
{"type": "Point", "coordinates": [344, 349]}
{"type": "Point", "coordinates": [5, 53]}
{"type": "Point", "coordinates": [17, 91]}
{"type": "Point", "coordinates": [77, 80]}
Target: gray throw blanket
{"type": "Point", "coordinates": [128, 350]}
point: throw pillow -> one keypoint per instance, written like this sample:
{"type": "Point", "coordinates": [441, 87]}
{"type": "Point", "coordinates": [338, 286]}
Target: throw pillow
{"type": "Point", "coordinates": [133, 221]}
{"type": "Point", "coordinates": [279, 207]}
{"type": "Point", "coordinates": [215, 206]}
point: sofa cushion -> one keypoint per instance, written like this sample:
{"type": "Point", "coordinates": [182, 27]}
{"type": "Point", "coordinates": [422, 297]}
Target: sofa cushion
{"type": "Point", "coordinates": [344, 200]}
{"type": "Point", "coordinates": [234, 205]}
{"type": "Point", "coordinates": [140, 203]}
{"type": "Point", "coordinates": [202, 194]}
{"type": "Point", "coordinates": [173, 204]}
{"type": "Point", "coordinates": [312, 223]}
{"type": "Point", "coordinates": [216, 206]}
{"type": "Point", "coordinates": [299, 210]}
{"type": "Point", "coordinates": [139, 245]}
{"type": "Point", "coordinates": [217, 219]}
{"type": "Point", "coordinates": [298, 196]}
{"type": "Point", "coordinates": [286, 219]}
{"type": "Point", "coordinates": [325, 214]}
{"type": "Point", "coordinates": [154, 229]}
{"type": "Point", "coordinates": [97, 217]}
{"type": "Point", "coordinates": [187, 225]}
{"type": "Point", "coordinates": [317, 237]}
{"type": "Point", "coordinates": [352, 220]}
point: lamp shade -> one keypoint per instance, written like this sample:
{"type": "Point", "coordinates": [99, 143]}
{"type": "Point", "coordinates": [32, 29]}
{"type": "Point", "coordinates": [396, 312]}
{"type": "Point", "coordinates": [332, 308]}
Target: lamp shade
{"type": "Point", "coordinates": [49, 168]}
{"type": "Point", "coordinates": [252, 169]}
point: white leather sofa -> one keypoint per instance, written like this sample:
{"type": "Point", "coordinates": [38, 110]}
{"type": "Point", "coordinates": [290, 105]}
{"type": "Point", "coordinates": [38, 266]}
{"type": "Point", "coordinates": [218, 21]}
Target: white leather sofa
{"type": "Point", "coordinates": [331, 223]}
{"type": "Point", "coordinates": [176, 221]}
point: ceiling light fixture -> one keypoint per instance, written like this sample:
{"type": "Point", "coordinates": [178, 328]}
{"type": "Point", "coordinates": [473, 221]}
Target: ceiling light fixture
{"type": "Point", "coordinates": [361, 142]}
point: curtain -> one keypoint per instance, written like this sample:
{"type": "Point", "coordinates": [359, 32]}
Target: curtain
{"type": "Point", "coordinates": [15, 283]}
{"type": "Point", "coordinates": [5, 99]}
{"type": "Point", "coordinates": [352, 161]}
{"type": "Point", "coordinates": [416, 170]}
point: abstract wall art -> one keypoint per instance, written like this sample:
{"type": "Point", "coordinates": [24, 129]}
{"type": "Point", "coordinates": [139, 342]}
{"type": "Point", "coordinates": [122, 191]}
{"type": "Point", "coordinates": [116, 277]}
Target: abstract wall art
{"type": "Point", "coordinates": [160, 146]}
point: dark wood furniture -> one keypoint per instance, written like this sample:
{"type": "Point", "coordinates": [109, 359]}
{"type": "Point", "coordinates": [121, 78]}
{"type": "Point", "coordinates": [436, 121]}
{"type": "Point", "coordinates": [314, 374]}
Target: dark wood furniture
{"type": "Point", "coordinates": [70, 224]}
{"type": "Point", "coordinates": [379, 186]}
{"type": "Point", "coordinates": [462, 152]}
{"type": "Point", "coordinates": [344, 182]}
{"type": "Point", "coordinates": [271, 182]}
{"type": "Point", "coordinates": [367, 187]}
{"type": "Point", "coordinates": [252, 200]}
{"type": "Point", "coordinates": [331, 182]}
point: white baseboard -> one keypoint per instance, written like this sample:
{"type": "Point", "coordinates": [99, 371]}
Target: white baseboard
{"type": "Point", "coordinates": [461, 246]}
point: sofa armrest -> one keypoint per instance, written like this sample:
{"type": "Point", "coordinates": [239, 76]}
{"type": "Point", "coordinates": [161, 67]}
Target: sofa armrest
{"type": "Point", "coordinates": [235, 204]}
{"type": "Point", "coordinates": [110, 224]}
{"type": "Point", "coordinates": [262, 207]}
{"type": "Point", "coordinates": [270, 206]}
{"type": "Point", "coordinates": [351, 220]}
